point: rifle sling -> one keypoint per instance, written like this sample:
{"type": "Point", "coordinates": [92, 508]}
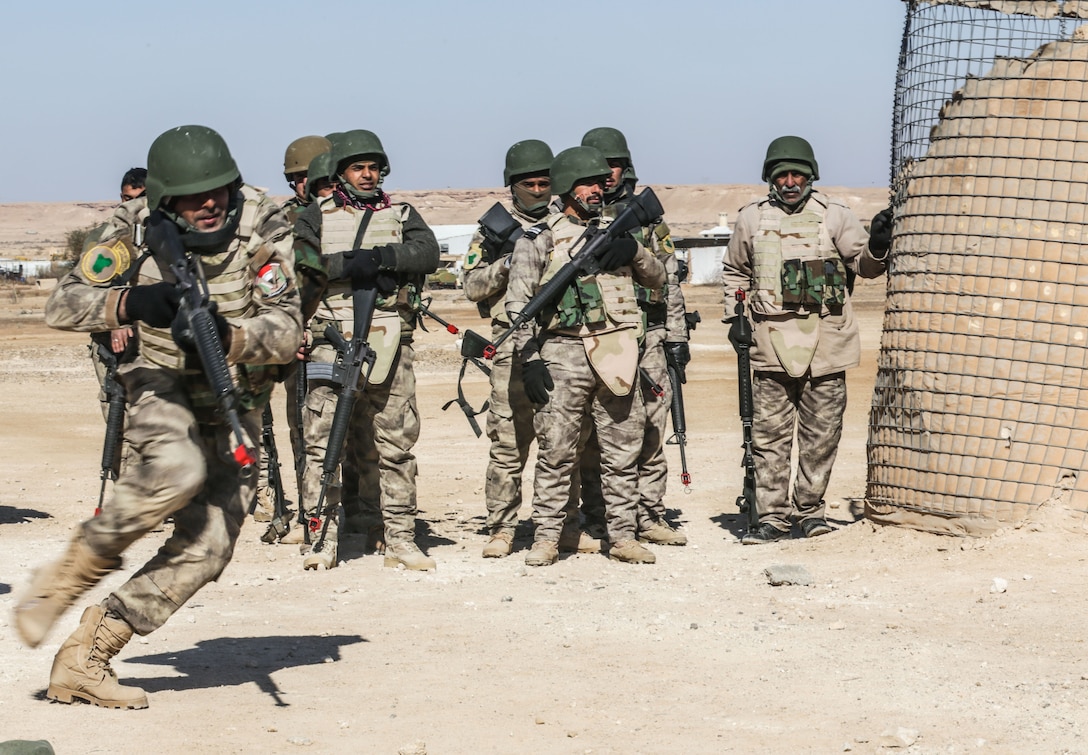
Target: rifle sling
{"type": "Point", "coordinates": [466, 407]}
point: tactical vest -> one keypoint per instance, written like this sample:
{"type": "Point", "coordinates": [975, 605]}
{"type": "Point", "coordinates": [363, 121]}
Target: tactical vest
{"type": "Point", "coordinates": [592, 303]}
{"type": "Point", "coordinates": [338, 228]}
{"type": "Point", "coordinates": [795, 266]}
{"type": "Point", "coordinates": [230, 275]}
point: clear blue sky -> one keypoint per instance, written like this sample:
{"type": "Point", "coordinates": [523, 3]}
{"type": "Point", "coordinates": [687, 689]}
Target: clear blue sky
{"type": "Point", "coordinates": [699, 88]}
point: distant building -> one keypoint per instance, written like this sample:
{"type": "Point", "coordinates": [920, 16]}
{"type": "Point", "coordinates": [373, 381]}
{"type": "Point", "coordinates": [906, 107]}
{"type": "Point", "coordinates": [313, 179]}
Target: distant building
{"type": "Point", "coordinates": [704, 253]}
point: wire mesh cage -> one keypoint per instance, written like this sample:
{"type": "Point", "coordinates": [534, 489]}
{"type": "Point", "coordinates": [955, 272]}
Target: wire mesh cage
{"type": "Point", "coordinates": [980, 411]}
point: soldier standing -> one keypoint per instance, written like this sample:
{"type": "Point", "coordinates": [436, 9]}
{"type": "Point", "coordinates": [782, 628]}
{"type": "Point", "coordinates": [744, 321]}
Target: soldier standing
{"type": "Point", "coordinates": [583, 359]}
{"type": "Point", "coordinates": [296, 164]}
{"type": "Point", "coordinates": [181, 463]}
{"type": "Point", "coordinates": [363, 235]}
{"type": "Point", "coordinates": [794, 254]}
{"type": "Point", "coordinates": [666, 342]}
{"type": "Point", "coordinates": [510, 417]}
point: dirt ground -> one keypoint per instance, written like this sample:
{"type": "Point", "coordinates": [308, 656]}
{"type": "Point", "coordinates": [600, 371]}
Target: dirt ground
{"type": "Point", "coordinates": [903, 641]}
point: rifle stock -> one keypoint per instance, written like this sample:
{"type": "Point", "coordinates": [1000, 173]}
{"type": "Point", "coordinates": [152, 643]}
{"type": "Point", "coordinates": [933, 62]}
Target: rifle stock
{"type": "Point", "coordinates": [740, 334]}
{"type": "Point", "coordinates": [641, 211]}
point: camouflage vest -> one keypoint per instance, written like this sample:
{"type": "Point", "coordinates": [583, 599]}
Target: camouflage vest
{"type": "Point", "coordinates": [395, 313]}
{"type": "Point", "coordinates": [601, 309]}
{"type": "Point", "coordinates": [795, 266]}
{"type": "Point", "coordinates": [230, 275]}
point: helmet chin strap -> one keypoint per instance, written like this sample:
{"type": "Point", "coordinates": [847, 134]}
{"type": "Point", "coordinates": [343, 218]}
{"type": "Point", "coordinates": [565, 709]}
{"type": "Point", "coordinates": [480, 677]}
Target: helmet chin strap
{"type": "Point", "coordinates": [209, 242]}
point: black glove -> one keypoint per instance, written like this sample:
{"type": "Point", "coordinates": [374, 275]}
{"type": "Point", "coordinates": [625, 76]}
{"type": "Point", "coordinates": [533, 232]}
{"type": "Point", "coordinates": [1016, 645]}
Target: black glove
{"type": "Point", "coordinates": [155, 304]}
{"type": "Point", "coordinates": [537, 380]}
{"type": "Point", "coordinates": [364, 265]}
{"type": "Point", "coordinates": [183, 334]}
{"type": "Point", "coordinates": [880, 233]}
{"type": "Point", "coordinates": [618, 253]}
{"type": "Point", "coordinates": [677, 354]}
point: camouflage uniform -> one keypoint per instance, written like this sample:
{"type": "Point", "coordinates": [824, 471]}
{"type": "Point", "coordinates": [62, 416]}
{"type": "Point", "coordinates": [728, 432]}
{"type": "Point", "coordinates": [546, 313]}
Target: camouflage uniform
{"type": "Point", "coordinates": [180, 448]}
{"type": "Point", "coordinates": [793, 266]}
{"type": "Point", "coordinates": [593, 366]}
{"type": "Point", "coordinates": [510, 416]}
{"type": "Point", "coordinates": [385, 423]}
{"type": "Point", "coordinates": [664, 310]}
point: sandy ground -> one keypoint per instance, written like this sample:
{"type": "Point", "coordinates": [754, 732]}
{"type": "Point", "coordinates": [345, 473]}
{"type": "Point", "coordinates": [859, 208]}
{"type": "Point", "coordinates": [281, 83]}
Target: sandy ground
{"type": "Point", "coordinates": [903, 641]}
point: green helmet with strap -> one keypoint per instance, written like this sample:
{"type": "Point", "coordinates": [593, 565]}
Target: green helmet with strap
{"type": "Point", "coordinates": [301, 151]}
{"type": "Point", "coordinates": [357, 143]}
{"type": "Point", "coordinates": [320, 167]}
{"type": "Point", "coordinates": [576, 164]}
{"type": "Point", "coordinates": [525, 157]}
{"type": "Point", "coordinates": [790, 153]}
{"type": "Point", "coordinates": [613, 145]}
{"type": "Point", "coordinates": [188, 160]}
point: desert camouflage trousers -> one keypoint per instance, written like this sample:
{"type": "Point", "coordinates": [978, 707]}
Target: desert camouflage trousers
{"type": "Point", "coordinates": [383, 429]}
{"type": "Point", "coordinates": [175, 467]}
{"type": "Point", "coordinates": [619, 421]}
{"type": "Point", "coordinates": [813, 408]}
{"type": "Point", "coordinates": [653, 468]}
{"type": "Point", "coordinates": [510, 429]}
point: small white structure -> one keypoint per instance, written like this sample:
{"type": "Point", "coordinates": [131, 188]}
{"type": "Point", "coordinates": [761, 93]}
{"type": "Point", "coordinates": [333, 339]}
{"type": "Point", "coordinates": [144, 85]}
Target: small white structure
{"type": "Point", "coordinates": [24, 270]}
{"type": "Point", "coordinates": [453, 240]}
{"type": "Point", "coordinates": [705, 253]}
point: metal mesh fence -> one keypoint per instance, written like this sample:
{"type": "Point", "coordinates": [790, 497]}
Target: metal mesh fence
{"type": "Point", "coordinates": [980, 412]}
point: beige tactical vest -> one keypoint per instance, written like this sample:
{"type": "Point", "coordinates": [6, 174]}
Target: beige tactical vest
{"type": "Point", "coordinates": [230, 277]}
{"type": "Point", "coordinates": [611, 319]}
{"type": "Point", "coordinates": [395, 314]}
{"type": "Point", "coordinates": [799, 236]}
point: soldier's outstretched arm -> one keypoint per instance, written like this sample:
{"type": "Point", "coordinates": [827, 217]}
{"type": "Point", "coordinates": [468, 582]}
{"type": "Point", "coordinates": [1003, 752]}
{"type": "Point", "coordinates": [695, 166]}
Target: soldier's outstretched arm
{"type": "Point", "coordinates": [418, 253]}
{"type": "Point", "coordinates": [852, 241]}
{"type": "Point", "coordinates": [647, 269]}
{"type": "Point", "coordinates": [86, 299]}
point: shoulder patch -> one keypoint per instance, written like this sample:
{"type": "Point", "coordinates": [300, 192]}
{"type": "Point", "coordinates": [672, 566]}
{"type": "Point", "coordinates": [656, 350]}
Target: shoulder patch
{"type": "Point", "coordinates": [533, 231]}
{"type": "Point", "coordinates": [104, 262]}
{"type": "Point", "coordinates": [473, 256]}
{"type": "Point", "coordinates": [271, 280]}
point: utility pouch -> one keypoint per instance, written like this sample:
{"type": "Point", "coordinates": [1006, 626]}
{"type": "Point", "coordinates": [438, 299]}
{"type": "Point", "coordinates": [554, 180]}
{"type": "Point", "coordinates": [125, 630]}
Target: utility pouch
{"type": "Point", "coordinates": [793, 283]}
{"type": "Point", "coordinates": [835, 283]}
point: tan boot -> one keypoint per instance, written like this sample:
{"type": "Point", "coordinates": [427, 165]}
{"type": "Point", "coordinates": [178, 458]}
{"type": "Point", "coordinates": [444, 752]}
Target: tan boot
{"type": "Point", "coordinates": [323, 557]}
{"type": "Point", "coordinates": [82, 670]}
{"type": "Point", "coordinates": [629, 551]}
{"type": "Point", "coordinates": [662, 534]}
{"type": "Point", "coordinates": [266, 505]}
{"type": "Point", "coordinates": [409, 556]}
{"type": "Point", "coordinates": [543, 553]}
{"type": "Point", "coordinates": [500, 545]}
{"type": "Point", "coordinates": [57, 586]}
{"type": "Point", "coordinates": [577, 541]}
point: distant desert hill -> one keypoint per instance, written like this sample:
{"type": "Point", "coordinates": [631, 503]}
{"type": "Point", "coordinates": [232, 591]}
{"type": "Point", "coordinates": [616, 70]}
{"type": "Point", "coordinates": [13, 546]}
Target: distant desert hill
{"type": "Point", "coordinates": [36, 230]}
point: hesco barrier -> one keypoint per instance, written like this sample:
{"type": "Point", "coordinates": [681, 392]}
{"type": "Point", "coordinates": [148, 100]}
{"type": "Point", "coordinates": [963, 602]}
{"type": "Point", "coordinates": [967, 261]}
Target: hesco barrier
{"type": "Point", "coordinates": [980, 411]}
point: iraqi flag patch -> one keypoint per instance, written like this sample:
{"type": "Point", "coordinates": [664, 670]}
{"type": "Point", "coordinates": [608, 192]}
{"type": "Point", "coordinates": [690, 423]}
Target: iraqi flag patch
{"type": "Point", "coordinates": [271, 280]}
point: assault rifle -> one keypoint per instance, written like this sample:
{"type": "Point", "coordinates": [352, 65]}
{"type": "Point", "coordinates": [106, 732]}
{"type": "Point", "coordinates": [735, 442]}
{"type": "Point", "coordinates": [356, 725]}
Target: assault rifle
{"type": "Point", "coordinates": [196, 313]}
{"type": "Point", "coordinates": [302, 389]}
{"type": "Point", "coordinates": [501, 231]}
{"type": "Point", "coordinates": [641, 211]}
{"type": "Point", "coordinates": [461, 400]}
{"type": "Point", "coordinates": [354, 361]}
{"type": "Point", "coordinates": [740, 335]}
{"type": "Point", "coordinates": [676, 409]}
{"type": "Point", "coordinates": [281, 523]}
{"type": "Point", "coordinates": [115, 420]}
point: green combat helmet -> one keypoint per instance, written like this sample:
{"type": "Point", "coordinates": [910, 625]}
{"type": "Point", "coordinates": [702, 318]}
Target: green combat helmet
{"type": "Point", "coordinates": [301, 151]}
{"type": "Point", "coordinates": [528, 158]}
{"type": "Point", "coordinates": [577, 164]}
{"type": "Point", "coordinates": [320, 167]}
{"type": "Point", "coordinates": [188, 160]}
{"type": "Point", "coordinates": [790, 153]}
{"type": "Point", "coordinates": [525, 157]}
{"type": "Point", "coordinates": [613, 145]}
{"type": "Point", "coordinates": [359, 143]}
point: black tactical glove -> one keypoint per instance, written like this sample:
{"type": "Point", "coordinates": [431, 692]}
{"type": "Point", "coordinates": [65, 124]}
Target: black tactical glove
{"type": "Point", "coordinates": [618, 253]}
{"type": "Point", "coordinates": [183, 334]}
{"type": "Point", "coordinates": [880, 233]}
{"type": "Point", "coordinates": [155, 304]}
{"type": "Point", "coordinates": [537, 380]}
{"type": "Point", "coordinates": [364, 265]}
{"type": "Point", "coordinates": [677, 354]}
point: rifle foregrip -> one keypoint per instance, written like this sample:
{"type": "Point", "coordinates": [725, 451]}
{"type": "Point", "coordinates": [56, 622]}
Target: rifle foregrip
{"type": "Point", "coordinates": [115, 421]}
{"type": "Point", "coordinates": [676, 405]}
{"type": "Point", "coordinates": [210, 348]}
